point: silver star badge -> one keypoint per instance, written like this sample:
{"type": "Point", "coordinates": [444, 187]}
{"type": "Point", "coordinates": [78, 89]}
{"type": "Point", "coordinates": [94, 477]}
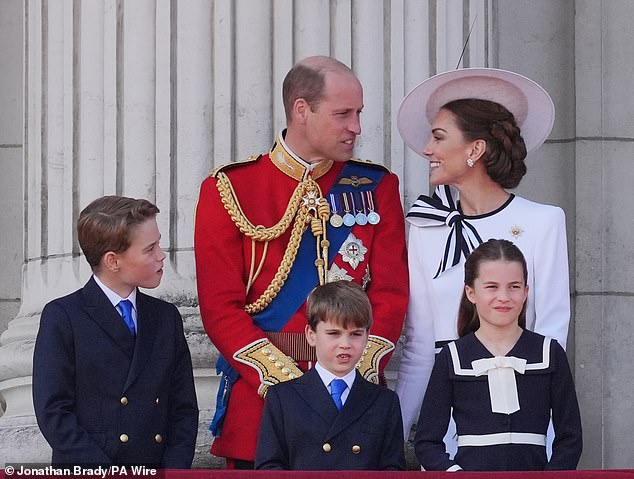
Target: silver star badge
{"type": "Point", "coordinates": [335, 273]}
{"type": "Point", "coordinates": [352, 251]}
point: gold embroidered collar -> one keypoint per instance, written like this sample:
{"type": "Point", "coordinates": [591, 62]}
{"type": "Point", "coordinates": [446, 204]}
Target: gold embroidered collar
{"type": "Point", "coordinates": [292, 165]}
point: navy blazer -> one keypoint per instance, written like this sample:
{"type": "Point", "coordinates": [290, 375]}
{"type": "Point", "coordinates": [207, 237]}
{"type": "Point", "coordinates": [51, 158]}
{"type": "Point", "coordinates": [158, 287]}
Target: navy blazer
{"type": "Point", "coordinates": [101, 397]}
{"type": "Point", "coordinates": [302, 429]}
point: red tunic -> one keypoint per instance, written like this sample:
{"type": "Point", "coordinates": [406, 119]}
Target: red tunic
{"type": "Point", "coordinates": [223, 261]}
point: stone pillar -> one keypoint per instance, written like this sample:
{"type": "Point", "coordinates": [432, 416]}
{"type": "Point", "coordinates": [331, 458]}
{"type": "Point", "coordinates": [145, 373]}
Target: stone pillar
{"type": "Point", "coordinates": [604, 248]}
{"type": "Point", "coordinates": [11, 179]}
{"type": "Point", "coordinates": [19, 435]}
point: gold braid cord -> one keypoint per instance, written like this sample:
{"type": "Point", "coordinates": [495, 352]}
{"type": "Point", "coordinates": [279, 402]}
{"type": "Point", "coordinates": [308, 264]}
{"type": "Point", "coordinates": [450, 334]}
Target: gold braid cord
{"type": "Point", "coordinates": [306, 206]}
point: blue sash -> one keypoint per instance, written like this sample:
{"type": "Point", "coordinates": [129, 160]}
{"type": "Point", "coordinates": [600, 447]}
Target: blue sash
{"type": "Point", "coordinates": [301, 280]}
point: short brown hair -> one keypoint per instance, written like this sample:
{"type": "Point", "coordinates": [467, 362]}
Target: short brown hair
{"type": "Point", "coordinates": [307, 80]}
{"type": "Point", "coordinates": [493, 123]}
{"type": "Point", "coordinates": [343, 302]}
{"type": "Point", "coordinates": [106, 224]}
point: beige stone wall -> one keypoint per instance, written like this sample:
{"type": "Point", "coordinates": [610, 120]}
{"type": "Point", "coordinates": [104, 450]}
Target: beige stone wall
{"type": "Point", "coordinates": [144, 98]}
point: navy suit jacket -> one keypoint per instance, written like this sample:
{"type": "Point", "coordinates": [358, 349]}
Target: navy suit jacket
{"type": "Point", "coordinates": [302, 429]}
{"type": "Point", "coordinates": [101, 397]}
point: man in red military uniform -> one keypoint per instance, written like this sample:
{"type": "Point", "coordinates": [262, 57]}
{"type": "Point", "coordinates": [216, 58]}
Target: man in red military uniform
{"type": "Point", "coordinates": [271, 228]}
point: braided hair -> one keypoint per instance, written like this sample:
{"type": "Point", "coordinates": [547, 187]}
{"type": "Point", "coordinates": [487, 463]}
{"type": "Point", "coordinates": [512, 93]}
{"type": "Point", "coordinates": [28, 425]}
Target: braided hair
{"type": "Point", "coordinates": [493, 123]}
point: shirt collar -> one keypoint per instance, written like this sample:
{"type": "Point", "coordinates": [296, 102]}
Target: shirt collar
{"type": "Point", "coordinates": [113, 297]}
{"type": "Point", "coordinates": [327, 377]}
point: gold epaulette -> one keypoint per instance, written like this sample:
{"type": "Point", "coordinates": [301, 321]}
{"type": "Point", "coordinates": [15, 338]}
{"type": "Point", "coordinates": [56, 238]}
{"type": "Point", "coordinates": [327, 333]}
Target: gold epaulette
{"type": "Point", "coordinates": [368, 365]}
{"type": "Point", "coordinates": [370, 164]}
{"type": "Point", "coordinates": [272, 364]}
{"type": "Point", "coordinates": [233, 164]}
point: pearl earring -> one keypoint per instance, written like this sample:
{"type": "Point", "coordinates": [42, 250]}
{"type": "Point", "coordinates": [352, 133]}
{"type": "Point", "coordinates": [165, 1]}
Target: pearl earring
{"type": "Point", "coordinates": [470, 163]}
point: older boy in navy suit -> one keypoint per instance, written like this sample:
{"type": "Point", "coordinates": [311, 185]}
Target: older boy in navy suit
{"type": "Point", "coordinates": [112, 373]}
{"type": "Point", "coordinates": [331, 417]}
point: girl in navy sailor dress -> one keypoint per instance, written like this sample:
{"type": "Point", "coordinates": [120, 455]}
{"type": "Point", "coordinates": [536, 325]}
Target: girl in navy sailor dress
{"type": "Point", "coordinates": [503, 382]}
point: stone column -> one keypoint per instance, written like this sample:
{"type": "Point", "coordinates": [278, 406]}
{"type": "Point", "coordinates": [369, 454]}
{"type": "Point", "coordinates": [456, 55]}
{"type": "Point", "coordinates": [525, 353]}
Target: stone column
{"type": "Point", "coordinates": [604, 248]}
{"type": "Point", "coordinates": [11, 179]}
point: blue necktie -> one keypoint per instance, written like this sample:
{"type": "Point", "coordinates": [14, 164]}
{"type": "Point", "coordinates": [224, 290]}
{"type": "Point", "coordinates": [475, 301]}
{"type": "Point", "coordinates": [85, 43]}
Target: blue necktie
{"type": "Point", "coordinates": [337, 387]}
{"type": "Point", "coordinates": [126, 311]}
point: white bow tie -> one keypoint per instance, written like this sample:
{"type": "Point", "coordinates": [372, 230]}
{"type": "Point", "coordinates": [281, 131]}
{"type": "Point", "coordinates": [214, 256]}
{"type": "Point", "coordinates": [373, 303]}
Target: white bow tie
{"type": "Point", "coordinates": [501, 377]}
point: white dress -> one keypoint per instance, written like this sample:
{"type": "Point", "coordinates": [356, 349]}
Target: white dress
{"type": "Point", "coordinates": [538, 230]}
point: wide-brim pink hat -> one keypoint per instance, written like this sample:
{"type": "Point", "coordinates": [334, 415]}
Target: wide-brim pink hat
{"type": "Point", "coordinates": [530, 104]}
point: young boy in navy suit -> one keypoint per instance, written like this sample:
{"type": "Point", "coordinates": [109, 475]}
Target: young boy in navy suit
{"type": "Point", "coordinates": [331, 417]}
{"type": "Point", "coordinates": [112, 373]}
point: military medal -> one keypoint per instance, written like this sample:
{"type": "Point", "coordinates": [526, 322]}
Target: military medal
{"type": "Point", "coordinates": [360, 218]}
{"type": "Point", "coordinates": [348, 218]}
{"type": "Point", "coordinates": [335, 220]}
{"type": "Point", "coordinates": [373, 216]}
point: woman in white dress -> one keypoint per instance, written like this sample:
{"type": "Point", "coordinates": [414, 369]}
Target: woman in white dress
{"type": "Point", "coordinates": [475, 126]}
